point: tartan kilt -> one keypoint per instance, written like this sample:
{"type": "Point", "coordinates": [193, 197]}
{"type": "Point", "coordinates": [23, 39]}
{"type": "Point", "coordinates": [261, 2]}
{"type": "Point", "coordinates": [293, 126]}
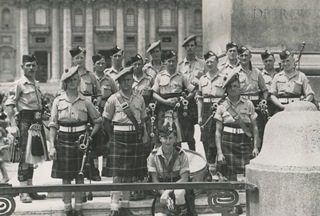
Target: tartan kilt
{"type": "Point", "coordinates": [187, 122]}
{"type": "Point", "coordinates": [127, 155]}
{"type": "Point", "coordinates": [24, 126]}
{"type": "Point", "coordinates": [208, 132]}
{"type": "Point", "coordinates": [237, 150]}
{"type": "Point", "coordinates": [69, 156]}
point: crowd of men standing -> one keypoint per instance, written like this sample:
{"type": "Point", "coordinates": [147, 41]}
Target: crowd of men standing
{"type": "Point", "coordinates": [126, 106]}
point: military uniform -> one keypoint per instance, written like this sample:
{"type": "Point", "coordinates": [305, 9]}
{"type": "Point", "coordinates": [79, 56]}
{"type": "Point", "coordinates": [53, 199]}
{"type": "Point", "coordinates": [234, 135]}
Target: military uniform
{"type": "Point", "coordinates": [107, 88]}
{"type": "Point", "coordinates": [112, 72]}
{"type": "Point", "coordinates": [151, 71]}
{"type": "Point", "coordinates": [226, 67]}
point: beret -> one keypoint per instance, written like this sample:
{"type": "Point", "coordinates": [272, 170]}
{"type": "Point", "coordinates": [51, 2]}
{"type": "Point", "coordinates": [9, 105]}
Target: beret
{"type": "Point", "coordinates": [233, 76]}
{"type": "Point", "coordinates": [189, 38]}
{"type": "Point", "coordinates": [242, 49]}
{"type": "Point", "coordinates": [28, 58]}
{"type": "Point", "coordinates": [153, 45]}
{"type": "Point", "coordinates": [68, 73]}
{"type": "Point", "coordinates": [284, 54]}
{"type": "Point", "coordinates": [209, 54]}
{"type": "Point", "coordinates": [77, 50]}
{"type": "Point", "coordinates": [169, 55]}
{"type": "Point", "coordinates": [123, 72]}
{"type": "Point", "coordinates": [135, 58]}
{"type": "Point", "coordinates": [266, 54]}
{"type": "Point", "coordinates": [97, 57]}
{"type": "Point", "coordinates": [231, 45]}
{"type": "Point", "coordinates": [116, 50]}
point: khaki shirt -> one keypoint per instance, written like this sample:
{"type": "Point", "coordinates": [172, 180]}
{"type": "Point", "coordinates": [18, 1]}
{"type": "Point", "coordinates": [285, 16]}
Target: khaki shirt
{"type": "Point", "coordinates": [180, 166]}
{"type": "Point", "coordinates": [297, 84]}
{"type": "Point", "coordinates": [267, 78]}
{"type": "Point", "coordinates": [89, 85]}
{"type": "Point", "coordinates": [251, 82]}
{"type": "Point", "coordinates": [166, 83]}
{"type": "Point", "coordinates": [226, 67]}
{"type": "Point", "coordinates": [79, 110]}
{"type": "Point", "coordinates": [107, 88]}
{"type": "Point", "coordinates": [144, 83]}
{"type": "Point", "coordinates": [192, 70]}
{"type": "Point", "coordinates": [151, 71]}
{"type": "Point", "coordinates": [113, 111]}
{"type": "Point", "coordinates": [243, 107]}
{"type": "Point", "coordinates": [25, 95]}
{"type": "Point", "coordinates": [112, 72]}
{"type": "Point", "coordinates": [212, 86]}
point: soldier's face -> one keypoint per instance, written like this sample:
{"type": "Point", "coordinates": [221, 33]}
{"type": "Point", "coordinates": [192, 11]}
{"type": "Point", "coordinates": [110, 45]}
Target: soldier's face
{"type": "Point", "coordinates": [232, 53]}
{"type": "Point", "coordinates": [288, 63]}
{"type": "Point", "coordinates": [233, 88]}
{"type": "Point", "coordinates": [79, 60]}
{"type": "Point", "coordinates": [29, 68]}
{"type": "Point", "coordinates": [156, 53]}
{"type": "Point", "coordinates": [73, 82]}
{"type": "Point", "coordinates": [168, 141]}
{"type": "Point", "coordinates": [245, 57]}
{"type": "Point", "coordinates": [137, 66]}
{"type": "Point", "coordinates": [190, 47]}
{"type": "Point", "coordinates": [126, 82]}
{"type": "Point", "coordinates": [212, 62]}
{"type": "Point", "coordinates": [171, 64]}
{"type": "Point", "coordinates": [100, 65]}
{"type": "Point", "coordinates": [269, 63]}
{"type": "Point", "coordinates": [117, 60]}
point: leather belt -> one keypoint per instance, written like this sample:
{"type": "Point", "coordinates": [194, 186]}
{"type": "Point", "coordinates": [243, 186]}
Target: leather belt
{"type": "Point", "coordinates": [72, 129]}
{"type": "Point", "coordinates": [124, 127]}
{"type": "Point", "coordinates": [288, 100]}
{"type": "Point", "coordinates": [233, 130]}
{"type": "Point", "coordinates": [251, 97]}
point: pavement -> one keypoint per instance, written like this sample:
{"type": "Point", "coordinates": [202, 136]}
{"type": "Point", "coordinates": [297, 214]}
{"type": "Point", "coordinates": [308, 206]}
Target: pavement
{"type": "Point", "coordinates": [100, 205]}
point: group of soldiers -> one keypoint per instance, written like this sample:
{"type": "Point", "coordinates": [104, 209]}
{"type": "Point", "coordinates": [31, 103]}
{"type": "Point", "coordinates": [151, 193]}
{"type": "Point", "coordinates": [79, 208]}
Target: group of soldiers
{"type": "Point", "coordinates": [132, 103]}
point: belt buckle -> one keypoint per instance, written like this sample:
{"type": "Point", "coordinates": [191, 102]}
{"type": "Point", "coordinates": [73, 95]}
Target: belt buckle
{"type": "Point", "coordinates": [37, 115]}
{"type": "Point", "coordinates": [124, 105]}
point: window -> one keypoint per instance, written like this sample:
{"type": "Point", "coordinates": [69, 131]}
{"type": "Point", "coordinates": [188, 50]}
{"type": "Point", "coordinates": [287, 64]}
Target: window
{"type": "Point", "coordinates": [40, 40]}
{"type": "Point", "coordinates": [131, 39]}
{"type": "Point", "coordinates": [6, 17]}
{"type": "Point", "coordinates": [78, 39]}
{"type": "Point", "coordinates": [198, 17]}
{"type": "Point", "coordinates": [166, 39]}
{"type": "Point", "coordinates": [41, 16]}
{"type": "Point", "coordinates": [104, 17]}
{"type": "Point", "coordinates": [78, 18]}
{"type": "Point", "coordinates": [166, 17]}
{"type": "Point", "coordinates": [6, 60]}
{"type": "Point", "coordinates": [130, 17]}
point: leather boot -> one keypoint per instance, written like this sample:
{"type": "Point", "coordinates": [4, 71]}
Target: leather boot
{"type": "Point", "coordinates": [37, 196]}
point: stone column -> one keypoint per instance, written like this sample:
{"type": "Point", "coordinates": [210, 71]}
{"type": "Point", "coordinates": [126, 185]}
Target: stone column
{"type": "Point", "coordinates": [56, 69]}
{"type": "Point", "coordinates": [217, 29]}
{"type": "Point", "coordinates": [67, 34]}
{"type": "Point", "coordinates": [24, 37]}
{"type": "Point", "coordinates": [152, 21]}
{"type": "Point", "coordinates": [89, 35]}
{"type": "Point", "coordinates": [120, 25]}
{"type": "Point", "coordinates": [141, 42]}
{"type": "Point", "coordinates": [181, 28]}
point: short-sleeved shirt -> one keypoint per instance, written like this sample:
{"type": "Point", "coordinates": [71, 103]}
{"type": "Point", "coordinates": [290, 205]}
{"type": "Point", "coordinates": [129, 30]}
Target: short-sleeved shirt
{"type": "Point", "coordinates": [66, 111]}
{"type": "Point", "coordinates": [226, 67]}
{"type": "Point", "coordinates": [113, 111]}
{"type": "Point", "coordinates": [107, 87]}
{"type": "Point", "coordinates": [251, 82]}
{"type": "Point", "coordinates": [243, 107]}
{"type": "Point", "coordinates": [89, 85]}
{"type": "Point", "coordinates": [144, 83]}
{"type": "Point", "coordinates": [151, 71]}
{"type": "Point", "coordinates": [212, 86]}
{"type": "Point", "coordinates": [297, 84]}
{"type": "Point", "coordinates": [192, 70]}
{"type": "Point", "coordinates": [180, 166]}
{"type": "Point", "coordinates": [166, 83]}
{"type": "Point", "coordinates": [267, 77]}
{"type": "Point", "coordinates": [25, 95]}
{"type": "Point", "coordinates": [112, 72]}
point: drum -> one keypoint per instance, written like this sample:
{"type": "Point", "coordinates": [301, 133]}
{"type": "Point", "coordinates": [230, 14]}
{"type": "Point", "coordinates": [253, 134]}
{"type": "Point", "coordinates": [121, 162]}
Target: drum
{"type": "Point", "coordinates": [198, 168]}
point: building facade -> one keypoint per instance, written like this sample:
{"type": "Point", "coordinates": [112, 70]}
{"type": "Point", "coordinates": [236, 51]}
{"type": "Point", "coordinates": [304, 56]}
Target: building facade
{"type": "Point", "coordinates": [50, 28]}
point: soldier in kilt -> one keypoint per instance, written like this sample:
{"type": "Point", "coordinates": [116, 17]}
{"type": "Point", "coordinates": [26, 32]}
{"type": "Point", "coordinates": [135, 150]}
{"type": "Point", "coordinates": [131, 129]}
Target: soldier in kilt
{"type": "Point", "coordinates": [209, 95]}
{"type": "Point", "coordinates": [124, 116]}
{"type": "Point", "coordinates": [70, 114]}
{"type": "Point", "coordinates": [26, 98]}
{"type": "Point", "coordinates": [169, 86]}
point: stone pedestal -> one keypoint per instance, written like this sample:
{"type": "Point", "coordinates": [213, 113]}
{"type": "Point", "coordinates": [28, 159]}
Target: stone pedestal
{"type": "Point", "coordinates": [287, 171]}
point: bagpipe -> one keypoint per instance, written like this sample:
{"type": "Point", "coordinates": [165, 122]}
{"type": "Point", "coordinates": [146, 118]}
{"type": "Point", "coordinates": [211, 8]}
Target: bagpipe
{"type": "Point", "coordinates": [213, 110]}
{"type": "Point", "coordinates": [262, 106]}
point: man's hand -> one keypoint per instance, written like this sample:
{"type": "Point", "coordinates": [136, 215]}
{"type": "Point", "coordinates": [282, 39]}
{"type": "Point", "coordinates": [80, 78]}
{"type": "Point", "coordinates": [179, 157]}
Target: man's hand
{"type": "Point", "coordinates": [255, 152]}
{"type": "Point", "coordinates": [171, 101]}
{"type": "Point", "coordinates": [53, 154]}
{"type": "Point", "coordinates": [164, 197]}
{"type": "Point", "coordinates": [221, 159]}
